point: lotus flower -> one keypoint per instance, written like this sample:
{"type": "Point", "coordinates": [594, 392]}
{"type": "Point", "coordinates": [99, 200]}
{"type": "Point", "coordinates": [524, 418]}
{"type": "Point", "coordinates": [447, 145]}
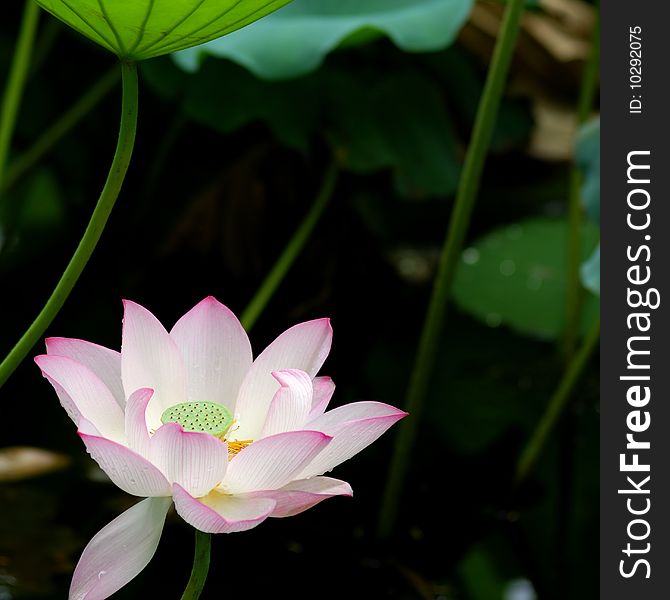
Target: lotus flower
{"type": "Point", "coordinates": [188, 417]}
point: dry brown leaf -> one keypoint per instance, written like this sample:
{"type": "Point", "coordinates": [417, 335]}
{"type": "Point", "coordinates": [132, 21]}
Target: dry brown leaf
{"type": "Point", "coordinates": [553, 42]}
{"type": "Point", "coordinates": [24, 462]}
{"type": "Point", "coordinates": [553, 46]}
{"type": "Point", "coordinates": [553, 136]}
{"type": "Point", "coordinates": [573, 15]}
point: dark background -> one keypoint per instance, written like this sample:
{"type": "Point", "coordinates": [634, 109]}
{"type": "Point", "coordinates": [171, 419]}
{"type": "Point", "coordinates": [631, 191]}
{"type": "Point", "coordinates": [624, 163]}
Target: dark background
{"type": "Point", "coordinates": [207, 207]}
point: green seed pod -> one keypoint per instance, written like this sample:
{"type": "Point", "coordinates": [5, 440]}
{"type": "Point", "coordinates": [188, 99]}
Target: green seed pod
{"type": "Point", "coordinates": [140, 29]}
{"type": "Point", "coordinates": [206, 417]}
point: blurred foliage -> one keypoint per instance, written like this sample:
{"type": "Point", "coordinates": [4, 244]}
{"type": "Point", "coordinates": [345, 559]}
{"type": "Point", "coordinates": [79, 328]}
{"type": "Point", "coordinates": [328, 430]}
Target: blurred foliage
{"type": "Point", "coordinates": [225, 167]}
{"type": "Point", "coordinates": [34, 210]}
{"type": "Point", "coordinates": [587, 157]}
{"type": "Point", "coordinates": [295, 40]}
{"type": "Point", "coordinates": [348, 106]}
{"type": "Point", "coordinates": [590, 272]}
{"type": "Point", "coordinates": [517, 276]}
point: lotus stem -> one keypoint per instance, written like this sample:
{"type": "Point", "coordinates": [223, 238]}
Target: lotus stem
{"type": "Point", "coordinates": [291, 251]}
{"type": "Point", "coordinates": [466, 195]}
{"type": "Point", "coordinates": [196, 583]}
{"type": "Point", "coordinates": [557, 403]}
{"type": "Point", "coordinates": [60, 128]}
{"type": "Point", "coordinates": [575, 295]}
{"type": "Point", "coordinates": [18, 74]}
{"type": "Point", "coordinates": [96, 225]}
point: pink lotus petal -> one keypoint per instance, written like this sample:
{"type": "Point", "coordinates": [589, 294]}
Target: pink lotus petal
{"type": "Point", "coordinates": [304, 346]}
{"type": "Point", "coordinates": [196, 461]}
{"type": "Point", "coordinates": [221, 513]}
{"type": "Point", "coordinates": [66, 402]}
{"type": "Point", "coordinates": [105, 363]}
{"type": "Point", "coordinates": [128, 470]}
{"type": "Point", "coordinates": [137, 433]}
{"type": "Point", "coordinates": [216, 352]}
{"type": "Point", "coordinates": [291, 404]}
{"type": "Point", "coordinates": [87, 428]}
{"type": "Point", "coordinates": [324, 388]}
{"type": "Point", "coordinates": [331, 421]}
{"type": "Point", "coordinates": [119, 551]}
{"type": "Point", "coordinates": [298, 496]}
{"type": "Point", "coordinates": [369, 420]}
{"type": "Point", "coordinates": [272, 462]}
{"type": "Point", "coordinates": [151, 359]}
{"type": "Point", "coordinates": [83, 394]}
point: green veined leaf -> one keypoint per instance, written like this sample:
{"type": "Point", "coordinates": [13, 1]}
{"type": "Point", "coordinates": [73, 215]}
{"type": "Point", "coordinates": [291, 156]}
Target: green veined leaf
{"type": "Point", "coordinates": [140, 29]}
{"type": "Point", "coordinates": [296, 39]}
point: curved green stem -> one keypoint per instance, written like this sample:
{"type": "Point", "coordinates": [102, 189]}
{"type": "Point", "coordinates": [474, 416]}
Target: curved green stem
{"type": "Point", "coordinates": [291, 252]}
{"type": "Point", "coordinates": [60, 128]}
{"type": "Point", "coordinates": [589, 85]}
{"type": "Point", "coordinates": [17, 78]}
{"type": "Point", "coordinates": [487, 113]}
{"type": "Point", "coordinates": [202, 540]}
{"type": "Point", "coordinates": [574, 294]}
{"type": "Point", "coordinates": [103, 208]}
{"type": "Point", "coordinates": [196, 583]}
{"type": "Point", "coordinates": [557, 403]}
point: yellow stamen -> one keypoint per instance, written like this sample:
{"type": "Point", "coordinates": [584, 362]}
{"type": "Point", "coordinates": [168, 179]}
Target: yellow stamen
{"type": "Point", "coordinates": [236, 446]}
